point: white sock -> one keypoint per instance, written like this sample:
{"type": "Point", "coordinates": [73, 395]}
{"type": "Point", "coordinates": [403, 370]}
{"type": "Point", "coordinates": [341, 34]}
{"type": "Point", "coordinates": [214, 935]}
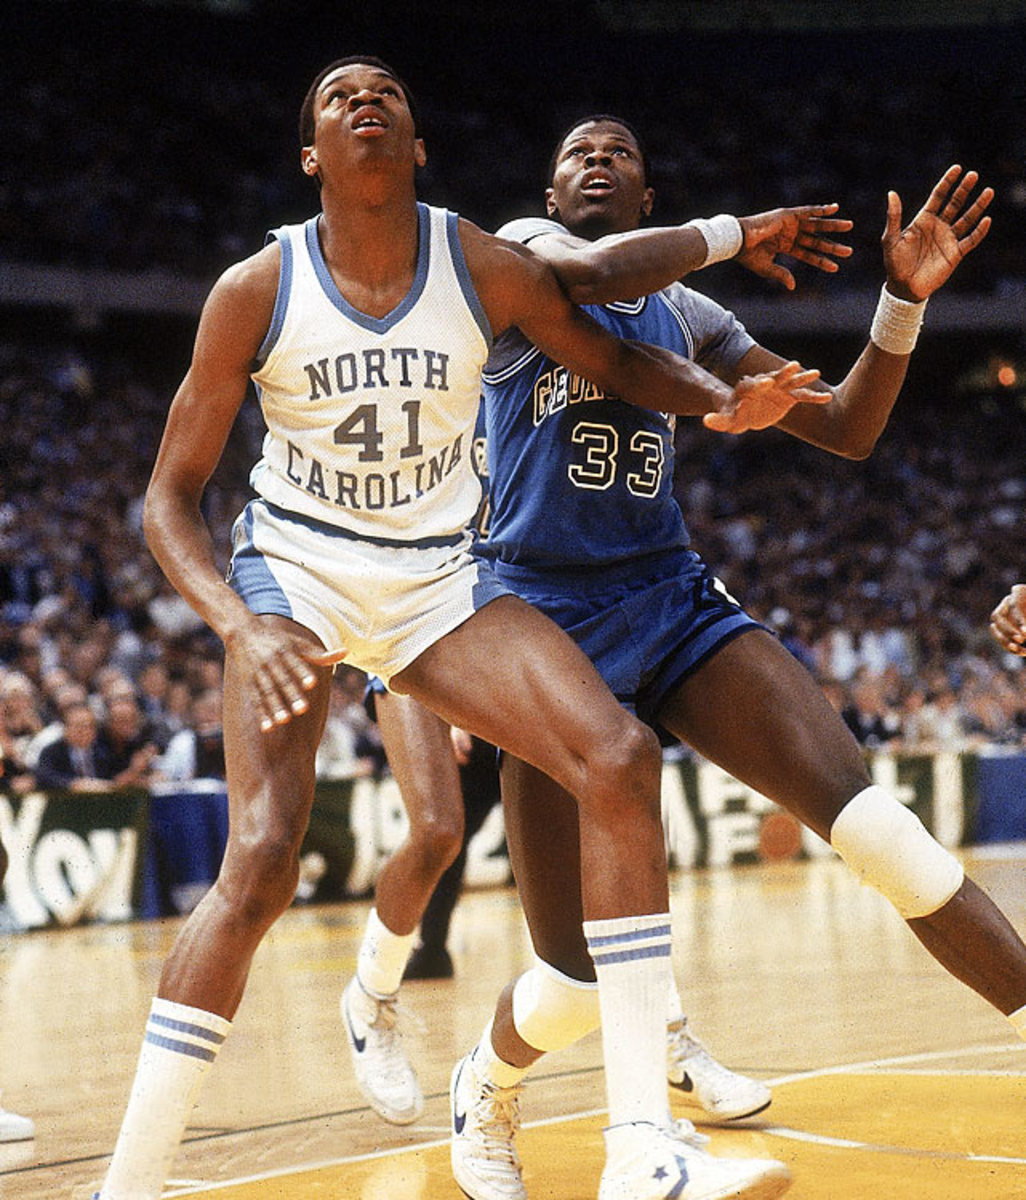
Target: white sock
{"type": "Point", "coordinates": [1018, 1020]}
{"type": "Point", "coordinates": [179, 1047]}
{"type": "Point", "coordinates": [632, 963]}
{"type": "Point", "coordinates": [383, 956]}
{"type": "Point", "coordinates": [489, 1066]}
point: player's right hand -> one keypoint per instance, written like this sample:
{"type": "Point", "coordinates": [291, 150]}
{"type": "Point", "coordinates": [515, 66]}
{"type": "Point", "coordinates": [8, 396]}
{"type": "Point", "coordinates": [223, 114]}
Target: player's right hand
{"type": "Point", "coordinates": [277, 665]}
{"type": "Point", "coordinates": [759, 401]}
{"type": "Point", "coordinates": [801, 233]}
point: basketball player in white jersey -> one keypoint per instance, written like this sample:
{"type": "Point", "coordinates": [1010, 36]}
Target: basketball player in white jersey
{"type": "Point", "coordinates": [365, 331]}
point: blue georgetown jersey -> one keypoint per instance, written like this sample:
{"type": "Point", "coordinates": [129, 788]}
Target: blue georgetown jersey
{"type": "Point", "coordinates": [581, 480]}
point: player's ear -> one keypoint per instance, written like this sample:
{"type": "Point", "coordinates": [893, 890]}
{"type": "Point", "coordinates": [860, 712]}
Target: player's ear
{"type": "Point", "coordinates": [550, 202]}
{"type": "Point", "coordinates": [647, 200]}
{"type": "Point", "coordinates": [419, 152]}
{"type": "Point", "coordinates": [308, 158]}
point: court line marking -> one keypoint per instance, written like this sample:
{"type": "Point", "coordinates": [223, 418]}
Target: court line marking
{"type": "Point", "coordinates": [819, 1139]}
{"type": "Point", "coordinates": [881, 1066]}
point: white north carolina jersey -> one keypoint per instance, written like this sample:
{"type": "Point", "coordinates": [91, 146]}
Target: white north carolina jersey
{"type": "Point", "coordinates": [370, 421]}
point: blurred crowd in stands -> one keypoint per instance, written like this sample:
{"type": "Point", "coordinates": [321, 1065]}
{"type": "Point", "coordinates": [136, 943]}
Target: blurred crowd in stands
{"type": "Point", "coordinates": [153, 139]}
{"type": "Point", "coordinates": [879, 575]}
{"type": "Point", "coordinates": [145, 138]}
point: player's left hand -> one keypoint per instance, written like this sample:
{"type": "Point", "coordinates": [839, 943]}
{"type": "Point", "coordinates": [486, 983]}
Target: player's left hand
{"type": "Point", "coordinates": [759, 401]}
{"type": "Point", "coordinates": [799, 232]}
{"type": "Point", "coordinates": [922, 256]}
{"type": "Point", "coordinates": [1008, 621]}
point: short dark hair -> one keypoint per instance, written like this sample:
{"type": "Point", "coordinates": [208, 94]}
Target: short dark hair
{"type": "Point", "coordinates": [593, 119]}
{"type": "Point", "coordinates": [306, 117]}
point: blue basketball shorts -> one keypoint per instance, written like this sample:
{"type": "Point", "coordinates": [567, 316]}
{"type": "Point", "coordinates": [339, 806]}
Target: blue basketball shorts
{"type": "Point", "coordinates": [645, 632]}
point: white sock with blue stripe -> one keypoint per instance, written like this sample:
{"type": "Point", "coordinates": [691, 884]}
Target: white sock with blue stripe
{"type": "Point", "coordinates": [179, 1047]}
{"type": "Point", "coordinates": [632, 964]}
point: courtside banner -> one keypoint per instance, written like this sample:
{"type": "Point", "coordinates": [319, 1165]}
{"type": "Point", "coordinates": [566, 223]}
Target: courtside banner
{"type": "Point", "coordinates": [72, 857]}
{"type": "Point", "coordinates": [712, 820]}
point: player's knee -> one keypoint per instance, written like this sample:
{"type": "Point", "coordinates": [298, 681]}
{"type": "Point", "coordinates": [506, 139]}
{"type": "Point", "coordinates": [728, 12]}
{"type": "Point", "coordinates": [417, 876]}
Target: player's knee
{"type": "Point", "coordinates": [261, 874]}
{"type": "Point", "coordinates": [436, 839]}
{"type": "Point", "coordinates": [551, 1010]}
{"type": "Point", "coordinates": [625, 769]}
{"type": "Point", "coordinates": [889, 848]}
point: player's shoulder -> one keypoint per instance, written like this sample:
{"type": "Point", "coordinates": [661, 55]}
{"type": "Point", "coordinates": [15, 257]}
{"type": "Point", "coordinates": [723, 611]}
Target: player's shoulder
{"type": "Point", "coordinates": [491, 256]}
{"type": "Point", "coordinates": [254, 277]}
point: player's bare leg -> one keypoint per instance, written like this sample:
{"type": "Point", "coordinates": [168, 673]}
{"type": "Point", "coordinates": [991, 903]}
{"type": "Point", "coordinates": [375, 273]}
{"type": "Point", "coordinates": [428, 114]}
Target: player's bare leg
{"type": "Point", "coordinates": [423, 764]}
{"type": "Point", "coordinates": [751, 699]}
{"type": "Point", "coordinates": [270, 787]}
{"type": "Point", "coordinates": [507, 663]}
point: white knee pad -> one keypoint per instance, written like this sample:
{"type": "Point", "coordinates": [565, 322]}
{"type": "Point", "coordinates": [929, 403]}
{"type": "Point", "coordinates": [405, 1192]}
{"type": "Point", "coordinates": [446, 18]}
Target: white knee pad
{"type": "Point", "coordinates": [888, 847]}
{"type": "Point", "coordinates": [551, 1010]}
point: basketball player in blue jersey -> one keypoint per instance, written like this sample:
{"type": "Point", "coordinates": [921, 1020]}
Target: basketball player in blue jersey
{"type": "Point", "coordinates": [417, 887]}
{"type": "Point", "coordinates": [585, 526]}
{"type": "Point", "coordinates": [365, 331]}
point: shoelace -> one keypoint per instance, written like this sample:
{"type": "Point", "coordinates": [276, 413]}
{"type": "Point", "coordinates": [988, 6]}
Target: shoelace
{"type": "Point", "coordinates": [497, 1116]}
{"type": "Point", "coordinates": [389, 1024]}
{"type": "Point", "coordinates": [682, 1130]}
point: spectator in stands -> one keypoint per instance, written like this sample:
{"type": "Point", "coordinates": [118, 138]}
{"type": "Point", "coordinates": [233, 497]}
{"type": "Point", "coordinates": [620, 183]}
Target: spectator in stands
{"type": "Point", "coordinates": [19, 712]}
{"type": "Point", "coordinates": [67, 696]}
{"type": "Point", "coordinates": [154, 688]}
{"type": "Point", "coordinates": [346, 751]}
{"type": "Point", "coordinates": [74, 762]}
{"type": "Point", "coordinates": [196, 752]}
{"type": "Point", "coordinates": [870, 715]}
{"type": "Point", "coordinates": [126, 745]}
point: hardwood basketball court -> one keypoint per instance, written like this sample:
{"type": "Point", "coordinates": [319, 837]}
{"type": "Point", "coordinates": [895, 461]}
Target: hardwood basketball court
{"type": "Point", "coordinates": [890, 1079]}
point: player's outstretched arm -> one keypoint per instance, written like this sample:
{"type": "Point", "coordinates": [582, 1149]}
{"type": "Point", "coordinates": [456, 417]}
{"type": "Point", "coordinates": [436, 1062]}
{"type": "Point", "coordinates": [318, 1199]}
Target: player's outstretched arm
{"type": "Point", "coordinates": [622, 266]}
{"type": "Point", "coordinates": [519, 289]}
{"type": "Point", "coordinates": [1008, 621]}
{"type": "Point", "coordinates": [919, 258]}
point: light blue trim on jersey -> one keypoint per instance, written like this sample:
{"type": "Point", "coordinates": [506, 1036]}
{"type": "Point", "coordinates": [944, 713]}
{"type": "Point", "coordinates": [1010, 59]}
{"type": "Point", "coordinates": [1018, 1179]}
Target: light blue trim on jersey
{"type": "Point", "coordinates": [250, 576]}
{"type": "Point", "coordinates": [328, 530]}
{"type": "Point", "coordinates": [678, 316]}
{"type": "Point", "coordinates": [330, 287]}
{"type": "Point", "coordinates": [459, 262]}
{"type": "Point", "coordinates": [281, 298]}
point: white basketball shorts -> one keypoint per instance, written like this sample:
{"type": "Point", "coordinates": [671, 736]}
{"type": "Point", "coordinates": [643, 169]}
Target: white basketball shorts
{"type": "Point", "coordinates": [385, 602]}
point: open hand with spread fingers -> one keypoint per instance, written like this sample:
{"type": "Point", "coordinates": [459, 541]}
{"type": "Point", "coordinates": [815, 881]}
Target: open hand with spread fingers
{"type": "Point", "coordinates": [759, 401]}
{"type": "Point", "coordinates": [802, 232]}
{"type": "Point", "coordinates": [1008, 621]}
{"type": "Point", "coordinates": [922, 256]}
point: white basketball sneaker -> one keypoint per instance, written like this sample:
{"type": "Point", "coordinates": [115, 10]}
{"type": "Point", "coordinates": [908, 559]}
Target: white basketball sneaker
{"type": "Point", "coordinates": [383, 1073]}
{"type": "Point", "coordinates": [704, 1083]}
{"type": "Point", "coordinates": [485, 1119]}
{"type": "Point", "coordinates": [648, 1162]}
{"type": "Point", "coordinates": [14, 1128]}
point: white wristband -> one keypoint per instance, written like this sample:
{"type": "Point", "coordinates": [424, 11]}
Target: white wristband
{"type": "Point", "coordinates": [722, 235]}
{"type": "Point", "coordinates": [896, 323]}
